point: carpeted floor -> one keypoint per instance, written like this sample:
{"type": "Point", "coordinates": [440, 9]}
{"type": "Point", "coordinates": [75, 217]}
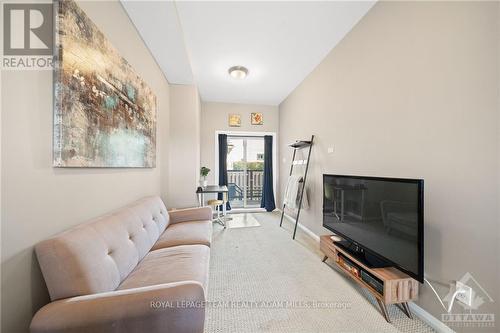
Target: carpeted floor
{"type": "Point", "coordinates": [263, 281]}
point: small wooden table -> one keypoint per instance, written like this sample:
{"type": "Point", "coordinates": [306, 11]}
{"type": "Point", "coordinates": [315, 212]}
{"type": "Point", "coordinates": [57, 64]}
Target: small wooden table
{"type": "Point", "coordinates": [398, 287]}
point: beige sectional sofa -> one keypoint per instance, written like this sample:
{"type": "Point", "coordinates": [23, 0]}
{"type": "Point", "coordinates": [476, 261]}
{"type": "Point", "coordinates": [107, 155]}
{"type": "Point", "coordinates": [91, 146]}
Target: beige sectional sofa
{"type": "Point", "coordinates": [137, 269]}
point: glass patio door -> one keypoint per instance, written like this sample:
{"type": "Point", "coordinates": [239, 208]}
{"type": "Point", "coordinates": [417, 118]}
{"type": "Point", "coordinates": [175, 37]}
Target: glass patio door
{"type": "Point", "coordinates": [245, 170]}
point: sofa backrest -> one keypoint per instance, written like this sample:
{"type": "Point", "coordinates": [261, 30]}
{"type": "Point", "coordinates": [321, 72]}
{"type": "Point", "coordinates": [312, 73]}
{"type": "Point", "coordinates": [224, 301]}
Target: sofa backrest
{"type": "Point", "coordinates": [96, 256]}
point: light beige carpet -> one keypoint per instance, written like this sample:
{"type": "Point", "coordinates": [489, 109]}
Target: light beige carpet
{"type": "Point", "coordinates": [263, 281]}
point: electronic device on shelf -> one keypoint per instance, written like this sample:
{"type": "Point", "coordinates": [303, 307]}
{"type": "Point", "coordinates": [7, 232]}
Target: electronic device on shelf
{"type": "Point", "coordinates": [375, 283]}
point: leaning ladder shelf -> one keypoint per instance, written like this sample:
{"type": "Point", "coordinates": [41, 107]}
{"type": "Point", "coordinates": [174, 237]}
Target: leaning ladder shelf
{"type": "Point", "coordinates": [296, 146]}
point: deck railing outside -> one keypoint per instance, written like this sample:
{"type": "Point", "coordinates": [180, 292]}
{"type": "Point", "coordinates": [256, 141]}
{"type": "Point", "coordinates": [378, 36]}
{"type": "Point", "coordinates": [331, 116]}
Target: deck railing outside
{"type": "Point", "coordinates": [254, 181]}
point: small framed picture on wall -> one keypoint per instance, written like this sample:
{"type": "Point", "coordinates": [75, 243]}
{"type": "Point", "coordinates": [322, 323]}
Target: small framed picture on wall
{"type": "Point", "coordinates": [257, 118]}
{"type": "Point", "coordinates": [234, 120]}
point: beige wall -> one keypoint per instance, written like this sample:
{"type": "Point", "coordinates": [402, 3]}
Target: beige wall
{"type": "Point", "coordinates": [38, 200]}
{"type": "Point", "coordinates": [412, 91]}
{"type": "Point", "coordinates": [498, 155]}
{"type": "Point", "coordinates": [214, 117]}
{"type": "Point", "coordinates": [184, 145]}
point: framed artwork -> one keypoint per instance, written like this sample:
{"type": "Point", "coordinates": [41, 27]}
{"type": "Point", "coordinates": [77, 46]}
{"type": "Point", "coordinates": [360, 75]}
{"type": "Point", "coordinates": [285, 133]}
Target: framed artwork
{"type": "Point", "coordinates": [234, 120]}
{"type": "Point", "coordinates": [104, 112]}
{"type": "Point", "coordinates": [257, 118]}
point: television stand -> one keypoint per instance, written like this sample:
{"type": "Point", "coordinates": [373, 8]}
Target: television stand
{"type": "Point", "coordinates": [387, 284]}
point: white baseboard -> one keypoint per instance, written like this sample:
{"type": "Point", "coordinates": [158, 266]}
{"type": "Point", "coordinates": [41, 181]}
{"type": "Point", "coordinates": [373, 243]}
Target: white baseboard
{"type": "Point", "coordinates": [429, 319]}
{"type": "Point", "coordinates": [425, 316]}
{"type": "Point", "coordinates": [301, 227]}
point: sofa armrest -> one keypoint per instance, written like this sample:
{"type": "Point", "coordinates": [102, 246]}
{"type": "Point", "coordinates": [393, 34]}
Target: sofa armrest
{"type": "Point", "coordinates": [190, 214]}
{"type": "Point", "coordinates": [172, 307]}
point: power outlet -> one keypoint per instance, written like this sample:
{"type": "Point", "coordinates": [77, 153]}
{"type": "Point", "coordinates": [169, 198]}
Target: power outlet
{"type": "Point", "coordinates": [465, 293]}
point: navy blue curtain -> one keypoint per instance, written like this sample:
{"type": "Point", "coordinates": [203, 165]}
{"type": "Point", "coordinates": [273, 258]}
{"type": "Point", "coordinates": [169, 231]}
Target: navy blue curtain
{"type": "Point", "coordinates": [267, 201]}
{"type": "Point", "coordinates": [223, 165]}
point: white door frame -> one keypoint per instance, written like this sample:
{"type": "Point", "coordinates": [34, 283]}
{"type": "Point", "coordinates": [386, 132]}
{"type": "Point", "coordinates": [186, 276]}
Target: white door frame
{"type": "Point", "coordinates": [239, 133]}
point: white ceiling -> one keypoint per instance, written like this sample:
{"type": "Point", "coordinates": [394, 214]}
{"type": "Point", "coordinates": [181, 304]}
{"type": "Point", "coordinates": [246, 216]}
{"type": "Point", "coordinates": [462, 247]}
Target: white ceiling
{"type": "Point", "coordinates": [279, 42]}
{"type": "Point", "coordinates": [159, 27]}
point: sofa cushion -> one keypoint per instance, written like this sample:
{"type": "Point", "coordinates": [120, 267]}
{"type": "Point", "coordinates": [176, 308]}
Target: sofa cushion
{"type": "Point", "coordinates": [186, 233]}
{"type": "Point", "coordinates": [96, 256]}
{"type": "Point", "coordinates": [172, 264]}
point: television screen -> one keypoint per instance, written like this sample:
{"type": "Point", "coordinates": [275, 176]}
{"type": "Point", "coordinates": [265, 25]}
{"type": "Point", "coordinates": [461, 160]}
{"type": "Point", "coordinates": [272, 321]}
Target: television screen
{"type": "Point", "coordinates": [383, 216]}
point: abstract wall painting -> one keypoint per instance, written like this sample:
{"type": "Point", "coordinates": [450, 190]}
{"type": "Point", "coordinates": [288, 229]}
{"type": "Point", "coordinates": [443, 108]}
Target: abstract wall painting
{"type": "Point", "coordinates": [104, 113]}
{"type": "Point", "coordinates": [234, 120]}
{"type": "Point", "coordinates": [257, 118]}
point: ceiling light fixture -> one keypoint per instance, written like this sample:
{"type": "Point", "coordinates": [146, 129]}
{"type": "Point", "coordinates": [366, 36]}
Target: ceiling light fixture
{"type": "Point", "coordinates": [238, 72]}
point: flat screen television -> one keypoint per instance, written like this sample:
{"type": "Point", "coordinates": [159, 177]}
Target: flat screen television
{"type": "Point", "coordinates": [380, 219]}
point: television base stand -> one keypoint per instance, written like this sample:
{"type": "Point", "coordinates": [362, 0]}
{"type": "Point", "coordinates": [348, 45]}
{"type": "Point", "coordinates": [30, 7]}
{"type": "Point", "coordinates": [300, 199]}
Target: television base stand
{"type": "Point", "coordinates": [387, 284]}
{"type": "Point", "coordinates": [366, 258]}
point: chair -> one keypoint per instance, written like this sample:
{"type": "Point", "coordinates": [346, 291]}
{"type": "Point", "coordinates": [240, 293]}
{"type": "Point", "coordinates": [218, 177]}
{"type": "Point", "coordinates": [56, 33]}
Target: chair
{"type": "Point", "coordinates": [216, 204]}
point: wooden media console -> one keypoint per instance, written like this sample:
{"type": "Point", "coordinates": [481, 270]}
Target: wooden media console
{"type": "Point", "coordinates": [388, 285]}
